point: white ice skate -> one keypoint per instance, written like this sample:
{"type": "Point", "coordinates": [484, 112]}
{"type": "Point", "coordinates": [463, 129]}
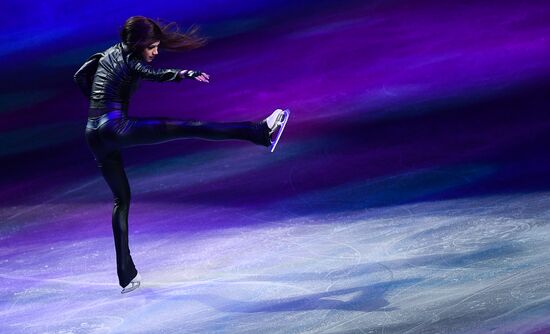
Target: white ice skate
{"type": "Point", "coordinates": [134, 284]}
{"type": "Point", "coordinates": [276, 123]}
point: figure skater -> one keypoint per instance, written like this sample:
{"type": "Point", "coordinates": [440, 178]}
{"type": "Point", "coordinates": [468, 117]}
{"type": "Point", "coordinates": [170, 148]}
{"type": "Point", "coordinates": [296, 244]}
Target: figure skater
{"type": "Point", "coordinates": [109, 78]}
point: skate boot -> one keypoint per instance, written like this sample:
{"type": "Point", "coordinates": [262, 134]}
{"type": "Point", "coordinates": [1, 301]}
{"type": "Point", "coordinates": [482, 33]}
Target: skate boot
{"type": "Point", "coordinates": [276, 123]}
{"type": "Point", "coordinates": [134, 284]}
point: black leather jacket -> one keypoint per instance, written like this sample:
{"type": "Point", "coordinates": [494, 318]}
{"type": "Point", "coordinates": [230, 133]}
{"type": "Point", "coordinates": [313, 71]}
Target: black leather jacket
{"type": "Point", "coordinates": [113, 75]}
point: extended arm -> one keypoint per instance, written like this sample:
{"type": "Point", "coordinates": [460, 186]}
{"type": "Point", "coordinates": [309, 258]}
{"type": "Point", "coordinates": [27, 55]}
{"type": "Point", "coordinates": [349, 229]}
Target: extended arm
{"type": "Point", "coordinates": [147, 72]}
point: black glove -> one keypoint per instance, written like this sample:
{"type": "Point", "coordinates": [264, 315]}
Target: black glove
{"type": "Point", "coordinates": [191, 74]}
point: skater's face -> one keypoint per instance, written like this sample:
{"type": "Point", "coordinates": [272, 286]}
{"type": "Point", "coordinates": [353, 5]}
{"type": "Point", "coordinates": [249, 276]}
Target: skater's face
{"type": "Point", "coordinates": [151, 51]}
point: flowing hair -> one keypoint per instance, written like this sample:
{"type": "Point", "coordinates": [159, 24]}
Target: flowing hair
{"type": "Point", "coordinates": [139, 32]}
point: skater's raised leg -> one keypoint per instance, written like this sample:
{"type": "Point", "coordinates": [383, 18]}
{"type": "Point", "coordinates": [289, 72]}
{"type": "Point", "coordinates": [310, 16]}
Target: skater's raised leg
{"type": "Point", "coordinates": [127, 132]}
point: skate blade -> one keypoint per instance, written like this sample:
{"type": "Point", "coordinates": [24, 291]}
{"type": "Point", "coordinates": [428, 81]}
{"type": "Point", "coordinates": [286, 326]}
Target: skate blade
{"type": "Point", "coordinates": [286, 114]}
{"type": "Point", "coordinates": [132, 287]}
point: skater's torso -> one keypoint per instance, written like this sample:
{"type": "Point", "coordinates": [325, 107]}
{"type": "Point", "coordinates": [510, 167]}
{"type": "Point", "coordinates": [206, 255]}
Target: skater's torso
{"type": "Point", "coordinates": [114, 80]}
{"type": "Point", "coordinates": [109, 78]}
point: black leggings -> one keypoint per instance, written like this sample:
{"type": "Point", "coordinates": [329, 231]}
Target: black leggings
{"type": "Point", "coordinates": [109, 133]}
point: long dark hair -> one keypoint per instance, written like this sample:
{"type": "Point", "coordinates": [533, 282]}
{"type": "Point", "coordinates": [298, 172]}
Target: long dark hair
{"type": "Point", "coordinates": [139, 32]}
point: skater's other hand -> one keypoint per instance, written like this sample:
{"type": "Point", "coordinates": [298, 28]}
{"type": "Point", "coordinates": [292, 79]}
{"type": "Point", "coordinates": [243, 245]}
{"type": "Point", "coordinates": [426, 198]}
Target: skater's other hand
{"type": "Point", "coordinates": [203, 77]}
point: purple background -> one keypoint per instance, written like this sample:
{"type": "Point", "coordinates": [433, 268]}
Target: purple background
{"type": "Point", "coordinates": [376, 88]}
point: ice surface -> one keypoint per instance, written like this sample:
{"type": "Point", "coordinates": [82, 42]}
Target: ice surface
{"type": "Point", "coordinates": [468, 265]}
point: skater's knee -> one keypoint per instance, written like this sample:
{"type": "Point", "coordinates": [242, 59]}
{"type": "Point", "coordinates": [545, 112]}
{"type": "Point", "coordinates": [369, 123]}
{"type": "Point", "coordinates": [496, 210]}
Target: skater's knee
{"type": "Point", "coordinates": [122, 201]}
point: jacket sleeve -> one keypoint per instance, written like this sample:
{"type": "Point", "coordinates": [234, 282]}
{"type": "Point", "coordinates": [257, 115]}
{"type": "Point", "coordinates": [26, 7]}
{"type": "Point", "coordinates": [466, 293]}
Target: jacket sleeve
{"type": "Point", "coordinates": [84, 77]}
{"type": "Point", "coordinates": [147, 72]}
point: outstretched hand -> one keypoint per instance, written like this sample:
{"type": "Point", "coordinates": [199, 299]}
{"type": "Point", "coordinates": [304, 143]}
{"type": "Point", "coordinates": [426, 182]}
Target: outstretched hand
{"type": "Point", "coordinates": [197, 75]}
{"type": "Point", "coordinates": [203, 77]}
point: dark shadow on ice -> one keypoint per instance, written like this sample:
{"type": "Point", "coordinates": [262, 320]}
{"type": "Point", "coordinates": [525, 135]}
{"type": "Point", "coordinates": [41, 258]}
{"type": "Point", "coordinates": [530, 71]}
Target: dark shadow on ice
{"type": "Point", "coordinates": [478, 258]}
{"type": "Point", "coordinates": [367, 298]}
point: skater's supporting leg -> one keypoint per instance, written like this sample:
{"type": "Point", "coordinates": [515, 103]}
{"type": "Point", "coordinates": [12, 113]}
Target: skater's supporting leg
{"type": "Point", "coordinates": [113, 171]}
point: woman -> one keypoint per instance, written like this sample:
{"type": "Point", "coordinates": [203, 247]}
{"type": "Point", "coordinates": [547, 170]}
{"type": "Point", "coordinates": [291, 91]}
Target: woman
{"type": "Point", "coordinates": [109, 78]}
